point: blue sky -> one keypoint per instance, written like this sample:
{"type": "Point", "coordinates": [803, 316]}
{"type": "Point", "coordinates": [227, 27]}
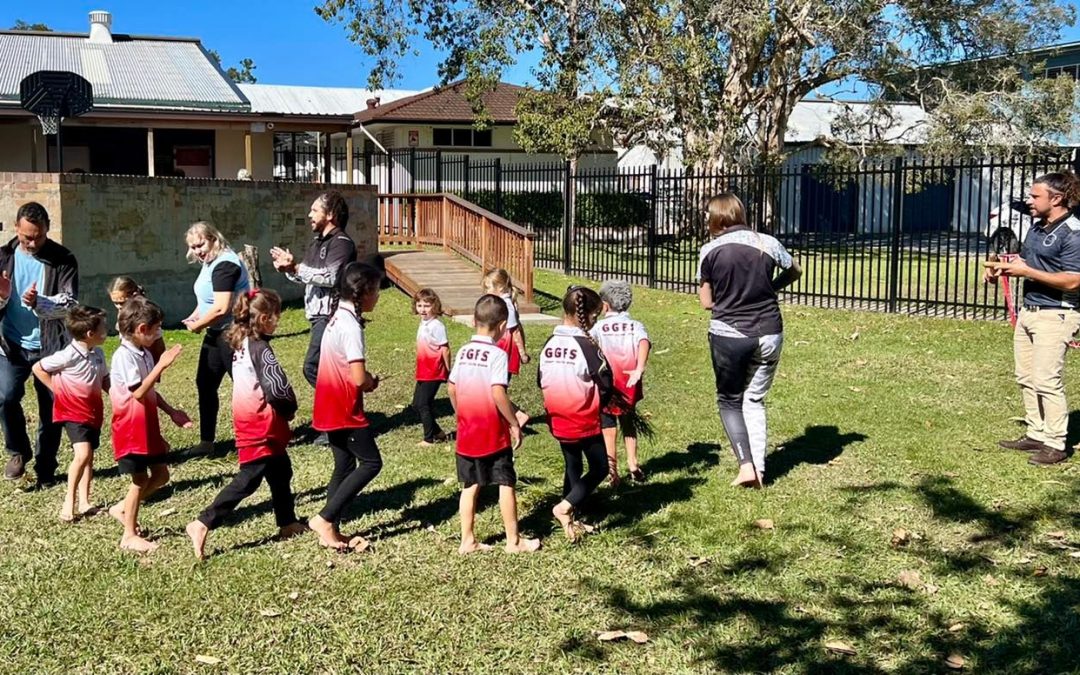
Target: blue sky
{"type": "Point", "coordinates": [289, 43]}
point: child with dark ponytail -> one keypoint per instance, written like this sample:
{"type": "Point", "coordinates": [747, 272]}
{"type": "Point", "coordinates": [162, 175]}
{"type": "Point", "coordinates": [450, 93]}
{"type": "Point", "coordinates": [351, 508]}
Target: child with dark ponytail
{"type": "Point", "coordinates": [576, 383]}
{"type": "Point", "coordinates": [342, 381]}
{"type": "Point", "coordinates": [263, 405]}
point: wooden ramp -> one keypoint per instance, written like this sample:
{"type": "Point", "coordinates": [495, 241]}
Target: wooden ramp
{"type": "Point", "coordinates": [456, 280]}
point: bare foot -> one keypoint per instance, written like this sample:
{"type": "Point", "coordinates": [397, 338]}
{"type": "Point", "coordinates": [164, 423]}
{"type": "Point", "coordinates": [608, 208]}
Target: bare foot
{"type": "Point", "coordinates": [613, 478]}
{"type": "Point", "coordinates": [137, 545]}
{"type": "Point", "coordinates": [198, 531]}
{"type": "Point", "coordinates": [425, 444]}
{"type": "Point", "coordinates": [523, 545]}
{"type": "Point", "coordinates": [567, 521]}
{"type": "Point", "coordinates": [67, 514]}
{"type": "Point", "coordinates": [473, 546]}
{"type": "Point", "coordinates": [328, 535]}
{"type": "Point", "coordinates": [522, 418]}
{"type": "Point", "coordinates": [747, 477]}
{"type": "Point", "coordinates": [290, 531]}
{"type": "Point", "coordinates": [359, 544]}
{"type": "Point", "coordinates": [88, 510]}
{"type": "Point", "coordinates": [117, 511]}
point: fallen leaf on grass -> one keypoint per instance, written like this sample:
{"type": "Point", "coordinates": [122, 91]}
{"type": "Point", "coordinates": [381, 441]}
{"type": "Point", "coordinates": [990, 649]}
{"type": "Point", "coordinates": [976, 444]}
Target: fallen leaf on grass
{"type": "Point", "coordinates": [329, 564]}
{"type": "Point", "coordinates": [990, 580]}
{"type": "Point", "coordinates": [208, 660]}
{"type": "Point", "coordinates": [167, 512]}
{"type": "Point", "coordinates": [861, 362]}
{"type": "Point", "coordinates": [955, 661]}
{"type": "Point", "coordinates": [854, 336]}
{"type": "Point", "coordinates": [698, 561]}
{"type": "Point", "coordinates": [294, 595]}
{"type": "Point", "coordinates": [910, 579]}
{"type": "Point", "coordinates": [613, 635]}
{"type": "Point", "coordinates": [1075, 554]}
{"type": "Point", "coordinates": [838, 647]}
{"type": "Point", "coordinates": [661, 352]}
{"type": "Point", "coordinates": [1057, 534]}
{"type": "Point", "coordinates": [855, 389]}
{"type": "Point", "coordinates": [1039, 571]}
{"type": "Point", "coordinates": [764, 524]}
{"type": "Point", "coordinates": [900, 537]}
{"type": "Point", "coordinates": [957, 627]}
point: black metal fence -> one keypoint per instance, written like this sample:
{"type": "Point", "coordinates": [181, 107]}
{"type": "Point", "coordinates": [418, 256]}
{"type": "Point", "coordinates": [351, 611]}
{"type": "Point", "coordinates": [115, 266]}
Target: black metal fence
{"type": "Point", "coordinates": [905, 235]}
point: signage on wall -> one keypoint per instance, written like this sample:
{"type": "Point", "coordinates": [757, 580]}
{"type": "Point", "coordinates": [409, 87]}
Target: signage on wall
{"type": "Point", "coordinates": [414, 138]}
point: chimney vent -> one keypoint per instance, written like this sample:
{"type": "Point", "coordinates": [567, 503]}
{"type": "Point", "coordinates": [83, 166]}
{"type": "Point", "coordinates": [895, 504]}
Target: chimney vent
{"type": "Point", "coordinates": [373, 103]}
{"type": "Point", "coordinates": [100, 27]}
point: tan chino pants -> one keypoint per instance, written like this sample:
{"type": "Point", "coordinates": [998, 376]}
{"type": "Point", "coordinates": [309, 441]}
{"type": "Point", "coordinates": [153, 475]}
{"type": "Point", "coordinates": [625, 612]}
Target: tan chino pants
{"type": "Point", "coordinates": [1040, 342]}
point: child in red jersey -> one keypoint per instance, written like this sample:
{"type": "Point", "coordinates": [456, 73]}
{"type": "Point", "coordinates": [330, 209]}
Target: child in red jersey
{"type": "Point", "coordinates": [576, 383]}
{"type": "Point", "coordinates": [626, 347]}
{"type": "Point", "coordinates": [76, 376]}
{"type": "Point", "coordinates": [137, 443]}
{"type": "Point", "coordinates": [488, 431]}
{"type": "Point", "coordinates": [263, 405]}
{"type": "Point", "coordinates": [432, 362]}
{"type": "Point", "coordinates": [498, 282]}
{"type": "Point", "coordinates": [342, 380]}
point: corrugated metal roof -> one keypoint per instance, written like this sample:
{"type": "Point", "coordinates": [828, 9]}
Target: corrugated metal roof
{"type": "Point", "coordinates": [130, 72]}
{"type": "Point", "coordinates": [294, 100]}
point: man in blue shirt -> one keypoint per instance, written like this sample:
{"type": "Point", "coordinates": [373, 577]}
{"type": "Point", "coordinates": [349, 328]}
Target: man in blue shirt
{"type": "Point", "coordinates": [39, 281]}
{"type": "Point", "coordinates": [1049, 263]}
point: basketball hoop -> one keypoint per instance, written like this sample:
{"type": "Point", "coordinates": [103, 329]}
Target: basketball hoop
{"type": "Point", "coordinates": [50, 124]}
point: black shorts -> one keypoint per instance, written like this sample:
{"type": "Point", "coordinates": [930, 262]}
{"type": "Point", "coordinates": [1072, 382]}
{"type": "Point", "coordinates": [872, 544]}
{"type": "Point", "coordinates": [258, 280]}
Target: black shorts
{"type": "Point", "coordinates": [608, 421]}
{"type": "Point", "coordinates": [494, 469]}
{"type": "Point", "coordinates": [83, 433]}
{"type": "Point", "coordinates": [130, 464]}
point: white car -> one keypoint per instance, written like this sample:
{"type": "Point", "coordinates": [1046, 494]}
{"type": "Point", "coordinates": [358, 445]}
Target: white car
{"type": "Point", "coordinates": [1008, 226]}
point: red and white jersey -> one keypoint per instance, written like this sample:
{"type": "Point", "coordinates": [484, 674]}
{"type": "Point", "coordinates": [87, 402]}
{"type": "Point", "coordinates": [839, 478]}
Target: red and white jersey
{"type": "Point", "coordinates": [135, 426]}
{"type": "Point", "coordinates": [263, 402]}
{"type": "Point", "coordinates": [506, 341]}
{"type": "Point", "coordinates": [481, 429]}
{"type": "Point", "coordinates": [78, 375]}
{"type": "Point", "coordinates": [339, 403]}
{"type": "Point", "coordinates": [619, 337]}
{"type": "Point", "coordinates": [573, 377]}
{"type": "Point", "coordinates": [430, 339]}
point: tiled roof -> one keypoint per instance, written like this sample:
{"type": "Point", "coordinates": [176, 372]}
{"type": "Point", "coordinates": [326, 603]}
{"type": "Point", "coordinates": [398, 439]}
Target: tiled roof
{"type": "Point", "coordinates": [130, 72]}
{"type": "Point", "coordinates": [447, 104]}
{"type": "Point", "coordinates": [323, 101]}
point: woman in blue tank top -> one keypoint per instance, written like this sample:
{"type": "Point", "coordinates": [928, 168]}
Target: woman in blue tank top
{"type": "Point", "coordinates": [220, 281]}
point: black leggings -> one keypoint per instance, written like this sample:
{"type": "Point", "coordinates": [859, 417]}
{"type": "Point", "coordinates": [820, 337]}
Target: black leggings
{"type": "Point", "coordinates": [277, 470]}
{"type": "Point", "coordinates": [350, 446]}
{"type": "Point", "coordinates": [576, 487]}
{"type": "Point", "coordinates": [424, 401]}
{"type": "Point", "coordinates": [215, 362]}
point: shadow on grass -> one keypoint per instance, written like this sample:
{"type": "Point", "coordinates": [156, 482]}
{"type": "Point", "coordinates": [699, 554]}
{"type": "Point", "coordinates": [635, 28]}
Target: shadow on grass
{"type": "Point", "coordinates": [817, 445]}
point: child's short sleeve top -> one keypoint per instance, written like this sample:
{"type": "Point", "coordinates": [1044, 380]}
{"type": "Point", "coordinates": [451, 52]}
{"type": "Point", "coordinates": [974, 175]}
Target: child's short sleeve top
{"type": "Point", "coordinates": [135, 425]}
{"type": "Point", "coordinates": [339, 403]}
{"type": "Point", "coordinates": [430, 338]}
{"type": "Point", "coordinates": [78, 377]}
{"type": "Point", "coordinates": [481, 429]}
{"type": "Point", "coordinates": [619, 337]}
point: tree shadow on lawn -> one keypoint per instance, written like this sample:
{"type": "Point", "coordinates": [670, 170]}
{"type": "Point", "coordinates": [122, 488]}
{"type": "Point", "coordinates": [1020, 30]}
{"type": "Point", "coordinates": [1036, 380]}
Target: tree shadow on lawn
{"type": "Point", "coordinates": [627, 504]}
{"type": "Point", "coordinates": [817, 445]}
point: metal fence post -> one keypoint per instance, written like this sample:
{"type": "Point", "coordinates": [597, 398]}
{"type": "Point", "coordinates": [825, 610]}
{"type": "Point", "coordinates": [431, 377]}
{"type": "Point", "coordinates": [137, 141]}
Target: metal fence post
{"type": "Point", "coordinates": [438, 171]}
{"type": "Point", "coordinates": [568, 215]}
{"type": "Point", "coordinates": [465, 173]}
{"type": "Point", "coordinates": [498, 187]}
{"type": "Point", "coordinates": [412, 170]}
{"type": "Point", "coordinates": [896, 221]}
{"type": "Point", "coordinates": [652, 226]}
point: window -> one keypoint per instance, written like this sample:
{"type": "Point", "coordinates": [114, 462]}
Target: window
{"type": "Point", "coordinates": [461, 138]}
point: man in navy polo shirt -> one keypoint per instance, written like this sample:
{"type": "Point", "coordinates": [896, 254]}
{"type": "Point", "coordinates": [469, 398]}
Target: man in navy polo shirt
{"type": "Point", "coordinates": [1050, 266]}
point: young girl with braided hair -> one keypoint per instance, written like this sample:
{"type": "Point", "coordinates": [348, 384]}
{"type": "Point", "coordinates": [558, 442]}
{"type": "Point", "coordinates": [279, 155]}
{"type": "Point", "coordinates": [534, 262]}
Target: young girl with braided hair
{"type": "Point", "coordinates": [576, 383]}
{"type": "Point", "coordinates": [263, 404]}
{"type": "Point", "coordinates": [498, 282]}
{"type": "Point", "coordinates": [120, 290]}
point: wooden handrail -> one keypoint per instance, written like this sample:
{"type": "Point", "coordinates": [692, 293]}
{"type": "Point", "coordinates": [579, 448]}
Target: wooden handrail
{"type": "Point", "coordinates": [450, 222]}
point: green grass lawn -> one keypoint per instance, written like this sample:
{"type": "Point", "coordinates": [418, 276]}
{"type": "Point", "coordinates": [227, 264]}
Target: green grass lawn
{"type": "Point", "coordinates": [878, 423]}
